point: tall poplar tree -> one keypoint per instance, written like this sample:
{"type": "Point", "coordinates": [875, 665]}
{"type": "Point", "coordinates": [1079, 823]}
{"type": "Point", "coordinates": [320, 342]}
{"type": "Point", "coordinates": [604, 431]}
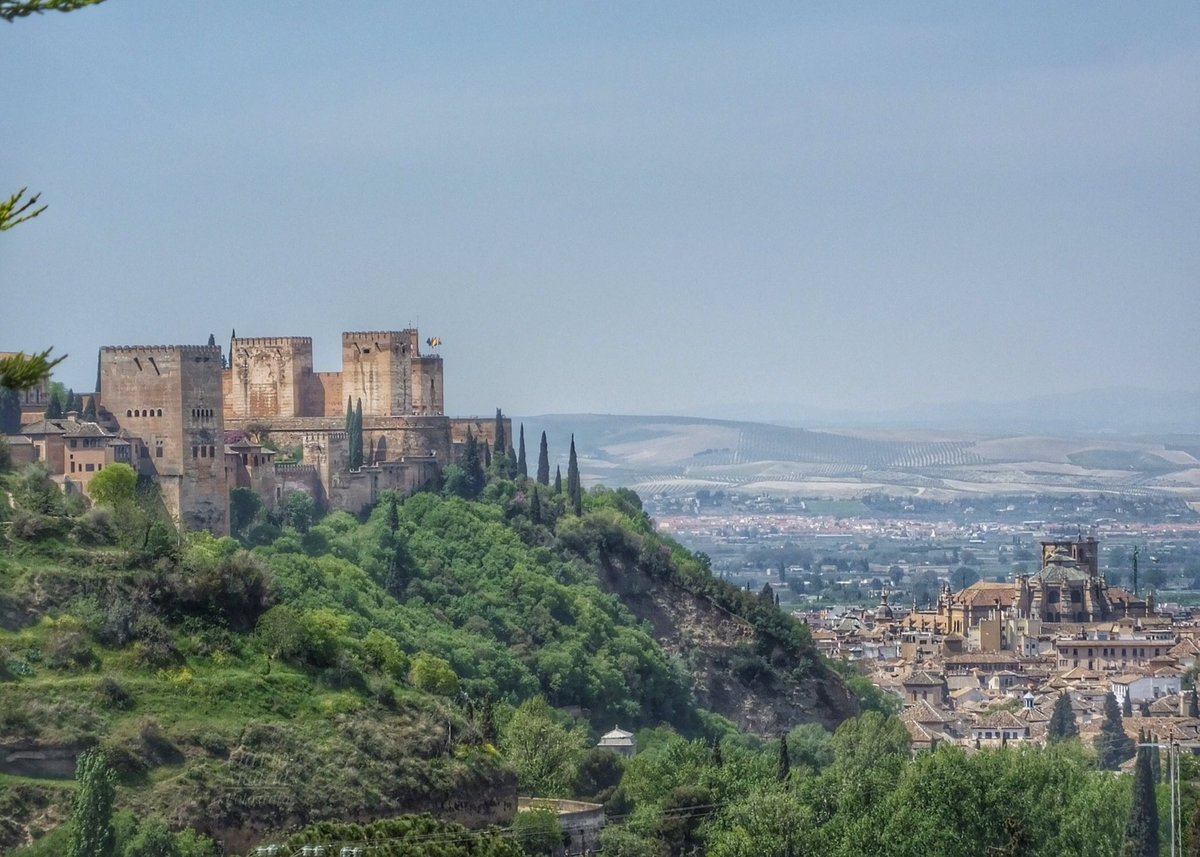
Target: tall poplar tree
{"type": "Point", "coordinates": [522, 465]}
{"type": "Point", "coordinates": [785, 760]}
{"type": "Point", "coordinates": [91, 829]}
{"type": "Point", "coordinates": [574, 491]}
{"type": "Point", "coordinates": [543, 471]}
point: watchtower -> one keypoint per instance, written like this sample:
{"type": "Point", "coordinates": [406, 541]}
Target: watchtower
{"type": "Point", "coordinates": [170, 397]}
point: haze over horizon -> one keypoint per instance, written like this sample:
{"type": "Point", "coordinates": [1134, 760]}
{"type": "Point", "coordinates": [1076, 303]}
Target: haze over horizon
{"type": "Point", "coordinates": [622, 209]}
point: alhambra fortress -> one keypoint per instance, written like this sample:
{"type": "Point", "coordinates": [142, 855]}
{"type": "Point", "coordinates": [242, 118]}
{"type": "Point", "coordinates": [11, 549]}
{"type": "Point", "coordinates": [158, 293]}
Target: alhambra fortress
{"type": "Point", "coordinates": [201, 426]}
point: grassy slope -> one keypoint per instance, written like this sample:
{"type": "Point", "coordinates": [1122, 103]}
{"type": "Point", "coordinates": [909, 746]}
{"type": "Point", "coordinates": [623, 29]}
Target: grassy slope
{"type": "Point", "coordinates": [157, 663]}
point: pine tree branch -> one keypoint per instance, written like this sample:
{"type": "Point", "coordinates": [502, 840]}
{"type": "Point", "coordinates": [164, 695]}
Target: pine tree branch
{"type": "Point", "coordinates": [10, 10]}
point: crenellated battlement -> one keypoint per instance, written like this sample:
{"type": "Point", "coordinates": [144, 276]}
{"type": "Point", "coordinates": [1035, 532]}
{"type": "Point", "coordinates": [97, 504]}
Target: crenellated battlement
{"type": "Point", "coordinates": [408, 331]}
{"type": "Point", "coordinates": [273, 340]}
{"type": "Point", "coordinates": [186, 349]}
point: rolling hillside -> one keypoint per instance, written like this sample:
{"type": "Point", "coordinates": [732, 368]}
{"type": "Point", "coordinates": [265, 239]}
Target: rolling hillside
{"type": "Point", "coordinates": [670, 455]}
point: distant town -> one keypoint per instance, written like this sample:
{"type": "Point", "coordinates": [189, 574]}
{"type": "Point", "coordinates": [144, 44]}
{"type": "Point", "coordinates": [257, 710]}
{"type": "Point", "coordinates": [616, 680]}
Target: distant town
{"type": "Point", "coordinates": [976, 618]}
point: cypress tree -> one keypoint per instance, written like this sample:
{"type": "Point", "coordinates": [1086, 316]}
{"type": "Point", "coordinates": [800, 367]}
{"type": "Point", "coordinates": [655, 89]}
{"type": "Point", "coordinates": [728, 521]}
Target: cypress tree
{"type": "Point", "coordinates": [785, 762]}
{"type": "Point", "coordinates": [91, 830]}
{"type": "Point", "coordinates": [472, 465]}
{"type": "Point", "coordinates": [54, 409]}
{"type": "Point", "coordinates": [393, 514]}
{"type": "Point", "coordinates": [212, 340]}
{"type": "Point", "coordinates": [1113, 746]}
{"type": "Point", "coordinates": [535, 507]}
{"type": "Point", "coordinates": [487, 455]}
{"type": "Point", "coordinates": [349, 414]}
{"type": "Point", "coordinates": [1141, 833]}
{"type": "Point", "coordinates": [543, 471]}
{"type": "Point", "coordinates": [1127, 705]}
{"type": "Point", "coordinates": [1193, 705]}
{"type": "Point", "coordinates": [522, 465]}
{"type": "Point", "coordinates": [501, 435]}
{"type": "Point", "coordinates": [89, 409]}
{"type": "Point", "coordinates": [767, 595]}
{"type": "Point", "coordinates": [557, 479]}
{"type": "Point", "coordinates": [574, 491]}
{"type": "Point", "coordinates": [356, 438]}
{"type": "Point", "coordinates": [1062, 721]}
{"type": "Point", "coordinates": [10, 411]}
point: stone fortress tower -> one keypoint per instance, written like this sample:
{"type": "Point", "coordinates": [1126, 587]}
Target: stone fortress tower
{"type": "Point", "coordinates": [170, 397]}
{"type": "Point", "coordinates": [206, 428]}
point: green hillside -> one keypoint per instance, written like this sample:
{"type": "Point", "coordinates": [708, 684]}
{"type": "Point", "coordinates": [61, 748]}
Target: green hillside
{"type": "Point", "coordinates": [339, 669]}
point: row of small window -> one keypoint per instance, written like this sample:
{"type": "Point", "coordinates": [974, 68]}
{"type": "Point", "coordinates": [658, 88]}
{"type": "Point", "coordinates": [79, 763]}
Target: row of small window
{"type": "Point", "coordinates": [202, 413]}
{"type": "Point", "coordinates": [158, 451]}
{"type": "Point", "coordinates": [144, 412]}
{"type": "Point", "coordinates": [204, 452]}
{"type": "Point", "coordinates": [1112, 653]}
{"type": "Point", "coordinates": [87, 442]}
{"type": "Point", "coordinates": [87, 468]}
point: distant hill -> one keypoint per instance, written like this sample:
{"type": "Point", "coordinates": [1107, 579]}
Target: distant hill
{"type": "Point", "coordinates": [671, 454]}
{"type": "Point", "coordinates": [1082, 412]}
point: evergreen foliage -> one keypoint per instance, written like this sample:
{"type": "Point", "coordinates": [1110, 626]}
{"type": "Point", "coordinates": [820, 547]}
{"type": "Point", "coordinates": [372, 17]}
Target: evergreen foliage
{"type": "Point", "coordinates": [557, 479]}
{"type": "Point", "coordinates": [1193, 703]}
{"type": "Point", "coordinates": [501, 439]}
{"type": "Point", "coordinates": [535, 506]}
{"type": "Point", "coordinates": [785, 762]}
{"type": "Point", "coordinates": [1141, 833]}
{"type": "Point", "coordinates": [543, 468]}
{"type": "Point", "coordinates": [1062, 724]}
{"type": "Point", "coordinates": [1127, 705]}
{"type": "Point", "coordinates": [522, 464]}
{"type": "Point", "coordinates": [91, 827]}
{"type": "Point", "coordinates": [356, 437]}
{"type": "Point", "coordinates": [10, 411]}
{"type": "Point", "coordinates": [574, 489]}
{"type": "Point", "coordinates": [1113, 746]}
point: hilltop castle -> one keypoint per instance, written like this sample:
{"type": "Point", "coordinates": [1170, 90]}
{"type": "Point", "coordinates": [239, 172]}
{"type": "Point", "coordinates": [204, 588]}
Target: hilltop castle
{"type": "Point", "coordinates": [202, 427]}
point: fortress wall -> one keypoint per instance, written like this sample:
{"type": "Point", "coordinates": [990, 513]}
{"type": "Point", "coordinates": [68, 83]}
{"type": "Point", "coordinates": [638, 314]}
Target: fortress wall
{"type": "Point", "coordinates": [481, 428]}
{"type": "Point", "coordinates": [428, 387]}
{"type": "Point", "coordinates": [323, 395]}
{"type": "Point", "coordinates": [269, 376]}
{"type": "Point", "coordinates": [377, 368]}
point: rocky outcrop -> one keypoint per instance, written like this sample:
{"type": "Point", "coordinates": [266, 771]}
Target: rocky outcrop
{"type": "Point", "coordinates": [761, 693]}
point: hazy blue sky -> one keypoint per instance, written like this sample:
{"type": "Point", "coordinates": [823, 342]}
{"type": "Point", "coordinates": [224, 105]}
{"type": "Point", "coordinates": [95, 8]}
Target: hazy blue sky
{"type": "Point", "coordinates": [622, 207]}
